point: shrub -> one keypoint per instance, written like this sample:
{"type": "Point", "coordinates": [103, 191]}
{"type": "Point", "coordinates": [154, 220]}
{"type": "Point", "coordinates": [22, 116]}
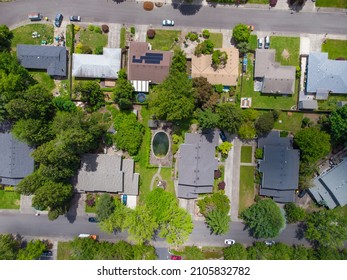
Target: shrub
{"type": "Point", "coordinates": [176, 39]}
{"type": "Point", "coordinates": [305, 121]}
{"type": "Point", "coordinates": [206, 47]}
{"type": "Point", "coordinates": [148, 6]}
{"type": "Point", "coordinates": [193, 36]}
{"type": "Point", "coordinates": [219, 88]}
{"type": "Point", "coordinates": [150, 33]}
{"type": "Point", "coordinates": [259, 153]}
{"type": "Point", "coordinates": [97, 29]}
{"type": "Point", "coordinates": [221, 185]}
{"type": "Point", "coordinates": [91, 27]}
{"type": "Point", "coordinates": [77, 28]}
{"type": "Point", "coordinates": [132, 30]}
{"type": "Point", "coordinates": [217, 174]}
{"type": "Point", "coordinates": [9, 188]}
{"type": "Point", "coordinates": [99, 50]}
{"type": "Point", "coordinates": [105, 28]}
{"type": "Point", "coordinates": [284, 133]}
{"type": "Point", "coordinates": [86, 50]}
{"type": "Point", "coordinates": [79, 47]}
{"type": "Point", "coordinates": [206, 34]}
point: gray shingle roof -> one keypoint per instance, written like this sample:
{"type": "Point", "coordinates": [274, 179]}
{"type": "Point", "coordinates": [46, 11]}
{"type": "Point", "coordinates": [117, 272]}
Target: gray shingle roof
{"type": "Point", "coordinates": [280, 167]}
{"type": "Point", "coordinates": [106, 65]}
{"type": "Point", "coordinates": [331, 187]}
{"type": "Point", "coordinates": [51, 58]}
{"type": "Point", "coordinates": [322, 94]}
{"type": "Point", "coordinates": [15, 160]}
{"type": "Point", "coordinates": [308, 104]}
{"type": "Point", "coordinates": [196, 164]}
{"type": "Point", "coordinates": [324, 73]}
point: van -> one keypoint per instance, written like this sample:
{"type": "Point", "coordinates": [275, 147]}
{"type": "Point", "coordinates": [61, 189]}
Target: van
{"type": "Point", "coordinates": [267, 42]}
{"type": "Point", "coordinates": [260, 43]}
{"type": "Point", "coordinates": [35, 16]}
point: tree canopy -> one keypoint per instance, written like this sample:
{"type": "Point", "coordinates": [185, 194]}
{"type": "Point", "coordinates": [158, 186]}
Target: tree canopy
{"type": "Point", "coordinates": [91, 94]}
{"type": "Point", "coordinates": [104, 206]}
{"type": "Point", "coordinates": [6, 35]}
{"type": "Point", "coordinates": [294, 213]}
{"type": "Point", "coordinates": [338, 125]}
{"type": "Point", "coordinates": [123, 93]}
{"type": "Point", "coordinates": [264, 124]}
{"type": "Point", "coordinates": [9, 247]}
{"type": "Point", "coordinates": [32, 251]}
{"type": "Point", "coordinates": [207, 119]}
{"type": "Point", "coordinates": [230, 117]}
{"type": "Point", "coordinates": [203, 91]}
{"type": "Point", "coordinates": [241, 33]}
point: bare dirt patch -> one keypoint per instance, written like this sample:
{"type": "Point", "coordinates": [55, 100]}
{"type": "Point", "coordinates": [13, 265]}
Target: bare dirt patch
{"type": "Point", "coordinates": [285, 54]}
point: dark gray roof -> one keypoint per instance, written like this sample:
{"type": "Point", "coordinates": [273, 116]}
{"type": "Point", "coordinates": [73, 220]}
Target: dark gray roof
{"type": "Point", "coordinates": [280, 167]}
{"type": "Point", "coordinates": [324, 73]}
{"type": "Point", "coordinates": [308, 104]}
{"type": "Point", "coordinates": [331, 187]}
{"type": "Point", "coordinates": [107, 173]}
{"type": "Point", "coordinates": [15, 160]}
{"type": "Point", "coordinates": [52, 58]}
{"type": "Point", "coordinates": [196, 164]}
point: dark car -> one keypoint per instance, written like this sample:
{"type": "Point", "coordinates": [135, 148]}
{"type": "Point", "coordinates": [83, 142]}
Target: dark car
{"type": "Point", "coordinates": [93, 220]}
{"type": "Point", "coordinates": [47, 253]}
{"type": "Point", "coordinates": [75, 18]}
{"type": "Point", "coordinates": [58, 20]}
{"type": "Point", "coordinates": [222, 136]}
{"type": "Point", "coordinates": [175, 258]}
{"type": "Point", "coordinates": [302, 193]}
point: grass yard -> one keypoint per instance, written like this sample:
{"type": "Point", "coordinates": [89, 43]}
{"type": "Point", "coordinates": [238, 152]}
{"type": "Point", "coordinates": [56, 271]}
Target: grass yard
{"type": "Point", "coordinates": [331, 103]}
{"type": "Point", "coordinates": [9, 200]}
{"type": "Point", "coordinates": [341, 210]}
{"type": "Point", "coordinates": [287, 49]}
{"type": "Point", "coordinates": [246, 154]}
{"type": "Point", "coordinates": [23, 34]}
{"type": "Point", "coordinates": [122, 37]}
{"type": "Point", "coordinates": [164, 40]}
{"type": "Point", "coordinates": [253, 42]}
{"type": "Point", "coordinates": [246, 198]}
{"type": "Point", "coordinates": [212, 253]}
{"type": "Point", "coordinates": [335, 48]}
{"type": "Point", "coordinates": [258, 2]}
{"type": "Point", "coordinates": [43, 78]}
{"type": "Point", "coordinates": [289, 121]}
{"type": "Point", "coordinates": [64, 251]}
{"type": "Point", "coordinates": [217, 39]}
{"type": "Point", "coordinates": [166, 174]}
{"type": "Point", "coordinates": [68, 36]}
{"type": "Point", "coordinates": [332, 3]}
{"type": "Point", "coordinates": [92, 39]}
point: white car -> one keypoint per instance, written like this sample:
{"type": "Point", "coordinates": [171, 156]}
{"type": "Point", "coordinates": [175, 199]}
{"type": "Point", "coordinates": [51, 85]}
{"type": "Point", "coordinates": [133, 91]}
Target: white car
{"type": "Point", "coordinates": [229, 241]}
{"type": "Point", "coordinates": [269, 243]}
{"type": "Point", "coordinates": [168, 22]}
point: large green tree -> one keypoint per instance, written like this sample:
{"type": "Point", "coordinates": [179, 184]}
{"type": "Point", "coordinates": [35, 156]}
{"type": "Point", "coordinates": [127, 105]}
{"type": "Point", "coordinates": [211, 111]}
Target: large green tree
{"type": "Point", "coordinates": [338, 125]}
{"type": "Point", "coordinates": [207, 119]}
{"type": "Point", "coordinates": [218, 222]}
{"type": "Point", "coordinates": [32, 251]}
{"type": "Point", "coordinates": [241, 33]}
{"type": "Point", "coordinates": [91, 94]}
{"type": "Point", "coordinates": [9, 247]}
{"type": "Point", "coordinates": [123, 94]}
{"type": "Point", "coordinates": [230, 117]}
{"type": "Point", "coordinates": [235, 252]}
{"type": "Point", "coordinates": [264, 219]}
{"type": "Point", "coordinates": [294, 213]}
{"type": "Point", "coordinates": [116, 221]}
{"type": "Point", "coordinates": [6, 36]}
{"type": "Point", "coordinates": [104, 206]}
{"type": "Point", "coordinates": [31, 183]}
{"type": "Point", "coordinates": [216, 201]}
{"type": "Point", "coordinates": [203, 91]}
{"type": "Point", "coordinates": [264, 124]}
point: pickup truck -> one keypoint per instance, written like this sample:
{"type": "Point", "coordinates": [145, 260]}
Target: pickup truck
{"type": "Point", "coordinates": [87, 235]}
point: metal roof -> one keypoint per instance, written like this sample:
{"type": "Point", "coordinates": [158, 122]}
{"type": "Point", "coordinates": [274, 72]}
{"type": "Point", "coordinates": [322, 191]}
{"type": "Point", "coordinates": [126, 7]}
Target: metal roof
{"type": "Point", "coordinates": [308, 104]}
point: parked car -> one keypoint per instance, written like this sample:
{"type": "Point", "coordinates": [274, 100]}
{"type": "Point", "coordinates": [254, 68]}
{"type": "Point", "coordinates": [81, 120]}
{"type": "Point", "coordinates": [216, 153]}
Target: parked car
{"type": "Point", "coordinates": [75, 18]}
{"type": "Point", "coordinates": [267, 42]}
{"type": "Point", "coordinates": [269, 242]}
{"type": "Point", "coordinates": [251, 27]}
{"type": "Point", "coordinates": [222, 136]}
{"type": "Point", "coordinates": [260, 43]}
{"type": "Point", "coordinates": [168, 22]}
{"type": "Point", "coordinates": [93, 220]}
{"type": "Point", "coordinates": [302, 193]}
{"type": "Point", "coordinates": [35, 16]}
{"type": "Point", "coordinates": [175, 258]}
{"type": "Point", "coordinates": [47, 253]}
{"type": "Point", "coordinates": [58, 20]}
{"type": "Point", "coordinates": [124, 199]}
{"type": "Point", "coordinates": [229, 241]}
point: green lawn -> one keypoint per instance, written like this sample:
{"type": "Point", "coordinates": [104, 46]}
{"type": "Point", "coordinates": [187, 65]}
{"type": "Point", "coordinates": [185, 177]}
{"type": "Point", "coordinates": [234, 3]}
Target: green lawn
{"type": "Point", "coordinates": [341, 210]}
{"type": "Point", "coordinates": [43, 78]}
{"type": "Point", "coordinates": [92, 39]}
{"type": "Point", "coordinates": [166, 174]}
{"type": "Point", "coordinates": [253, 42]}
{"type": "Point", "coordinates": [332, 3]}
{"type": "Point", "coordinates": [164, 39]}
{"type": "Point", "coordinates": [331, 103]}
{"type": "Point", "coordinates": [258, 1]}
{"type": "Point", "coordinates": [217, 39]}
{"type": "Point", "coordinates": [214, 253]}
{"type": "Point", "coordinates": [335, 48]}
{"type": "Point", "coordinates": [289, 121]}
{"type": "Point", "coordinates": [9, 200]}
{"type": "Point", "coordinates": [246, 154]}
{"type": "Point", "coordinates": [287, 49]}
{"type": "Point", "coordinates": [246, 197]}
{"type": "Point", "coordinates": [23, 34]}
{"type": "Point", "coordinates": [68, 36]}
{"type": "Point", "coordinates": [63, 251]}
{"type": "Point", "coordinates": [122, 37]}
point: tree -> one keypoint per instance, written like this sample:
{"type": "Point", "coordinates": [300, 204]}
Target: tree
{"type": "Point", "coordinates": [264, 124]}
{"type": "Point", "coordinates": [216, 201]}
{"type": "Point", "coordinates": [206, 47]}
{"type": "Point", "coordinates": [206, 118]}
{"type": "Point", "coordinates": [116, 221]}
{"type": "Point", "coordinates": [31, 183]}
{"type": "Point", "coordinates": [179, 62]}
{"type": "Point", "coordinates": [104, 206]}
{"type": "Point", "coordinates": [313, 144]}
{"type": "Point", "coordinates": [6, 36]}
{"type": "Point", "coordinates": [294, 213]}
{"type": "Point", "coordinates": [338, 125]}
{"type": "Point", "coordinates": [32, 251]}
{"type": "Point", "coordinates": [243, 47]}
{"type": "Point", "coordinates": [91, 94]}
{"type": "Point", "coordinates": [219, 59]}
{"type": "Point", "coordinates": [144, 252]}
{"type": "Point", "coordinates": [224, 148]}
{"type": "Point", "coordinates": [123, 94]}
{"type": "Point", "coordinates": [264, 219]}
{"type": "Point", "coordinates": [83, 249]}
{"type": "Point", "coordinates": [230, 117]}
{"type": "Point", "coordinates": [218, 222]}
{"type": "Point", "coordinates": [235, 252]}
{"type": "Point", "coordinates": [9, 247]}
{"type": "Point", "coordinates": [193, 253]}
{"type": "Point", "coordinates": [64, 104]}
{"type": "Point", "coordinates": [326, 228]}
{"type": "Point", "coordinates": [241, 33]}
{"type": "Point", "coordinates": [247, 131]}
{"type": "Point", "coordinates": [203, 91]}
{"type": "Point", "coordinates": [299, 252]}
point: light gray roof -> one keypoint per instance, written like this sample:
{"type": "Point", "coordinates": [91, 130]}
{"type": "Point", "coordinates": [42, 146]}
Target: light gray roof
{"type": "Point", "coordinates": [276, 78]}
{"type": "Point", "coordinates": [106, 65]}
{"type": "Point", "coordinates": [107, 173]}
{"type": "Point", "coordinates": [331, 187]}
{"type": "Point", "coordinates": [196, 164]}
{"type": "Point", "coordinates": [308, 104]}
{"type": "Point", "coordinates": [280, 167]}
{"type": "Point", "coordinates": [15, 161]}
{"type": "Point", "coordinates": [324, 73]}
{"type": "Point", "coordinates": [52, 58]}
{"type": "Point", "coordinates": [322, 94]}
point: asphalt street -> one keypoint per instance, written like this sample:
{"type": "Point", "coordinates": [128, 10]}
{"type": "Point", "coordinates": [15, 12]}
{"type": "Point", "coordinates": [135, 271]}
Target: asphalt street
{"type": "Point", "coordinates": [130, 13]}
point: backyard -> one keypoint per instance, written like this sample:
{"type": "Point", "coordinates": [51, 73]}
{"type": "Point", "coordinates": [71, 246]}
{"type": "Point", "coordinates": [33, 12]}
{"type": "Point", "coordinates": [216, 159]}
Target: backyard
{"type": "Point", "coordinates": [246, 198]}
{"type": "Point", "coordinates": [331, 103]}
{"type": "Point", "coordinates": [289, 121]}
{"type": "Point", "coordinates": [246, 154]}
{"type": "Point", "coordinates": [164, 40]}
{"type": "Point", "coordinates": [287, 49]}
{"type": "Point", "coordinates": [335, 48]}
{"type": "Point", "coordinates": [9, 200]}
{"type": "Point", "coordinates": [43, 78]}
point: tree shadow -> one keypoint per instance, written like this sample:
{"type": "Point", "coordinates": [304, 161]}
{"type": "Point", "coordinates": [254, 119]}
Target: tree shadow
{"type": "Point", "coordinates": [72, 212]}
{"type": "Point", "coordinates": [296, 5]}
{"type": "Point", "coordinates": [187, 8]}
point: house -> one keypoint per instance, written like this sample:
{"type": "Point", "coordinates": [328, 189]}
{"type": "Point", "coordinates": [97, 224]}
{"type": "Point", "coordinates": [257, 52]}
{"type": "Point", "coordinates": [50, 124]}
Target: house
{"type": "Point", "coordinates": [279, 167]}
{"type": "Point", "coordinates": [105, 66]}
{"type": "Point", "coordinates": [146, 66]}
{"type": "Point", "coordinates": [15, 161]}
{"type": "Point", "coordinates": [196, 164]}
{"type": "Point", "coordinates": [330, 188]}
{"type": "Point", "coordinates": [325, 75]}
{"type": "Point", "coordinates": [227, 76]}
{"type": "Point", "coordinates": [275, 78]}
{"type": "Point", "coordinates": [51, 58]}
{"type": "Point", "coordinates": [107, 173]}
{"type": "Point", "coordinates": [308, 104]}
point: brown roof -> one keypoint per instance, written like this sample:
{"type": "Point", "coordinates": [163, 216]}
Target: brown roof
{"type": "Point", "coordinates": [155, 73]}
{"type": "Point", "coordinates": [202, 67]}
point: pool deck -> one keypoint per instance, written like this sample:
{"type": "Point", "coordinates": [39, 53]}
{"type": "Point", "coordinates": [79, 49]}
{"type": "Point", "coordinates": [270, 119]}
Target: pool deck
{"type": "Point", "coordinates": [168, 159]}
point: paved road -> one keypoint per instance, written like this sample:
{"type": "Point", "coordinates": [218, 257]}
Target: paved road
{"type": "Point", "coordinates": [107, 11]}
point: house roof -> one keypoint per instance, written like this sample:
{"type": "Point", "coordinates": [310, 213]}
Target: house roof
{"type": "Point", "coordinates": [227, 76]}
{"type": "Point", "coordinates": [280, 167]}
{"type": "Point", "coordinates": [106, 65]}
{"type": "Point", "coordinates": [322, 94]}
{"type": "Point", "coordinates": [276, 78]}
{"type": "Point", "coordinates": [148, 65]}
{"type": "Point", "coordinates": [51, 58]}
{"type": "Point", "coordinates": [107, 173]}
{"type": "Point", "coordinates": [324, 73]}
{"type": "Point", "coordinates": [331, 187]}
{"type": "Point", "coordinates": [196, 164]}
{"type": "Point", "coordinates": [15, 161]}
{"type": "Point", "coordinates": [308, 104]}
